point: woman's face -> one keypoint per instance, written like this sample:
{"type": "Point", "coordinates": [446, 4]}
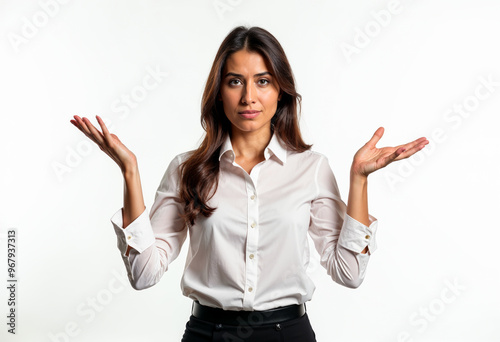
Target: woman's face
{"type": "Point", "coordinates": [247, 85]}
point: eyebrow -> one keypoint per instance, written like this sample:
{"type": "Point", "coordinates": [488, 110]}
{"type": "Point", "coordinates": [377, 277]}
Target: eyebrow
{"type": "Point", "coordinates": [256, 75]}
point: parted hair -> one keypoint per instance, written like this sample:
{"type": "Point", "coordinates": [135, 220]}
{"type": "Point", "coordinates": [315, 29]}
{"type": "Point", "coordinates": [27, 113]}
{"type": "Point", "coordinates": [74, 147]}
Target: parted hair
{"type": "Point", "coordinates": [199, 173]}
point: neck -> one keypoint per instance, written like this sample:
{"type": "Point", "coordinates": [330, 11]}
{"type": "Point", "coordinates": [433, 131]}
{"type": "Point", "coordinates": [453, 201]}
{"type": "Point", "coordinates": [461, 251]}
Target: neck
{"type": "Point", "coordinates": [250, 145]}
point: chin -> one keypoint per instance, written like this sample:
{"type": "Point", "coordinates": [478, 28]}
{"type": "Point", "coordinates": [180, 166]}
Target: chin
{"type": "Point", "coordinates": [250, 128]}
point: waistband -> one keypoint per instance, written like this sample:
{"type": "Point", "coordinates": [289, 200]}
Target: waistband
{"type": "Point", "coordinates": [242, 317]}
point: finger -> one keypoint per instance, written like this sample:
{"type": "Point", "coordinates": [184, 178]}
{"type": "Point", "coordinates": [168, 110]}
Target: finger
{"type": "Point", "coordinates": [97, 134]}
{"type": "Point", "coordinates": [417, 145]}
{"type": "Point", "coordinates": [79, 126]}
{"type": "Point", "coordinates": [411, 144]}
{"type": "Point", "coordinates": [103, 126]}
{"type": "Point", "coordinates": [75, 123]}
{"type": "Point", "coordinates": [101, 146]}
{"type": "Point", "coordinates": [82, 124]}
{"type": "Point", "coordinates": [107, 136]}
{"type": "Point", "coordinates": [393, 156]}
{"type": "Point", "coordinates": [84, 127]}
{"type": "Point", "coordinates": [376, 137]}
{"type": "Point", "coordinates": [414, 149]}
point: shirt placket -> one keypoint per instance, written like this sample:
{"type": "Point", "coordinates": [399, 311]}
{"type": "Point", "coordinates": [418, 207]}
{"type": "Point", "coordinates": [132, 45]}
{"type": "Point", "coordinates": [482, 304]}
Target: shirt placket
{"type": "Point", "coordinates": [251, 248]}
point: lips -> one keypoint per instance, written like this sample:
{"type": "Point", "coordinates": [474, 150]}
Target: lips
{"type": "Point", "coordinates": [249, 114]}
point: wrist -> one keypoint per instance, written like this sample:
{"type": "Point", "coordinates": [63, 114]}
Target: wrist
{"type": "Point", "coordinates": [358, 178]}
{"type": "Point", "coordinates": [130, 171]}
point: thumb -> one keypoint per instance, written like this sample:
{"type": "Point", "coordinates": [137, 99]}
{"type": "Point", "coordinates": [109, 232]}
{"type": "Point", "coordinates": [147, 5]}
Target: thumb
{"type": "Point", "coordinates": [376, 137]}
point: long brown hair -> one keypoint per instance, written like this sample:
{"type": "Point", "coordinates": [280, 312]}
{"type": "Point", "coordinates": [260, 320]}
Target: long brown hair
{"type": "Point", "coordinates": [200, 172]}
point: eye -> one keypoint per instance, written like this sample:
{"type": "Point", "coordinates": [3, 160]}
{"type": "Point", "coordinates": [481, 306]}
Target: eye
{"type": "Point", "coordinates": [233, 80]}
{"type": "Point", "coordinates": [265, 80]}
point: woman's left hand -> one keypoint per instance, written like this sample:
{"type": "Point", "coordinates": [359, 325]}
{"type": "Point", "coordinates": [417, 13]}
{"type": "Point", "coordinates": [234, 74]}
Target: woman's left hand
{"type": "Point", "coordinates": [370, 158]}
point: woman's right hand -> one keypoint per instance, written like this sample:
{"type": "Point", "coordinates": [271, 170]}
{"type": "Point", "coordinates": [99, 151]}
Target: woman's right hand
{"type": "Point", "coordinates": [109, 143]}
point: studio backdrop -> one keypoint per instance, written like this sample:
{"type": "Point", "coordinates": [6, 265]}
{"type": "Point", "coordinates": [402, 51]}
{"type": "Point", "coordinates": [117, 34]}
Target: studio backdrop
{"type": "Point", "coordinates": [416, 68]}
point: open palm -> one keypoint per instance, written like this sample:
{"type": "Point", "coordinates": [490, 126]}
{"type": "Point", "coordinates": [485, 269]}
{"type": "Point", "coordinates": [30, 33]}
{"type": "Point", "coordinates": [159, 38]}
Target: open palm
{"type": "Point", "coordinates": [107, 142]}
{"type": "Point", "coordinates": [369, 158]}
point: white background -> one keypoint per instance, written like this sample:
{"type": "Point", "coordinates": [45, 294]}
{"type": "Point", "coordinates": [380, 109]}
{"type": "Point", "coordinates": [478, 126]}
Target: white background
{"type": "Point", "coordinates": [437, 211]}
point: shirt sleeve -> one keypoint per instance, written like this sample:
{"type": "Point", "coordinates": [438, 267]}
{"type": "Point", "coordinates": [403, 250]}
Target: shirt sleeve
{"type": "Point", "coordinates": [339, 238]}
{"type": "Point", "coordinates": [156, 239]}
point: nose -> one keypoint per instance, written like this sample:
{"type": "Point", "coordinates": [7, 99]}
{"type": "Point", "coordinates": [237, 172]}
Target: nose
{"type": "Point", "coordinates": [248, 94]}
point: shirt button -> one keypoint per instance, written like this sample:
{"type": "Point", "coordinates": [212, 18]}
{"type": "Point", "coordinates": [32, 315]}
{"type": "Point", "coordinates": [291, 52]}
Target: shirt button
{"type": "Point", "coordinates": [278, 326]}
{"type": "Point", "coordinates": [250, 289]}
{"type": "Point", "coordinates": [251, 256]}
{"type": "Point", "coordinates": [252, 197]}
{"type": "Point", "coordinates": [129, 237]}
{"type": "Point", "coordinates": [253, 225]}
{"type": "Point", "coordinates": [367, 237]}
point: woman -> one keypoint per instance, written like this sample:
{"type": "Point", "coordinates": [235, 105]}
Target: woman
{"type": "Point", "coordinates": [248, 196]}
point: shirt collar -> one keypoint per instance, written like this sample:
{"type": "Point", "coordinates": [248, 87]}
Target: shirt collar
{"type": "Point", "coordinates": [273, 148]}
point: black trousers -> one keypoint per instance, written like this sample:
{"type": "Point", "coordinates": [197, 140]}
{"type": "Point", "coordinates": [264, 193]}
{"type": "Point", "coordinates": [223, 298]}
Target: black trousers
{"type": "Point", "coordinates": [295, 330]}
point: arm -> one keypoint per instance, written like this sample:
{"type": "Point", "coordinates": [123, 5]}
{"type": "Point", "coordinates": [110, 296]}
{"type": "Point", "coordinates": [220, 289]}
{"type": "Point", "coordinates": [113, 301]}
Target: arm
{"type": "Point", "coordinates": [338, 237]}
{"type": "Point", "coordinates": [133, 200]}
{"type": "Point", "coordinates": [149, 243]}
{"type": "Point", "coordinates": [345, 236]}
{"type": "Point", "coordinates": [367, 160]}
{"type": "Point", "coordinates": [357, 202]}
{"type": "Point", "coordinates": [110, 144]}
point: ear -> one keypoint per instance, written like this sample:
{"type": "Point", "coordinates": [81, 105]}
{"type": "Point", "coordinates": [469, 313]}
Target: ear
{"type": "Point", "coordinates": [279, 96]}
{"type": "Point", "coordinates": [219, 97]}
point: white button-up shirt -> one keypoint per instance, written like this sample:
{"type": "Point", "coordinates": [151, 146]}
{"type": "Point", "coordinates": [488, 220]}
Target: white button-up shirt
{"type": "Point", "coordinates": [253, 252]}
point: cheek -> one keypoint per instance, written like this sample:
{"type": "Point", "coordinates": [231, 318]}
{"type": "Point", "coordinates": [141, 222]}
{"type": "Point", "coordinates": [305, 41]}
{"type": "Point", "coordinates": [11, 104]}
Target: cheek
{"type": "Point", "coordinates": [229, 106]}
{"type": "Point", "coordinates": [270, 102]}
{"type": "Point", "coordinates": [229, 101]}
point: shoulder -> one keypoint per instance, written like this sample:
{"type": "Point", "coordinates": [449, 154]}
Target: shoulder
{"type": "Point", "coordinates": [171, 176]}
{"type": "Point", "coordinates": [182, 157]}
{"type": "Point", "coordinates": [173, 167]}
{"type": "Point", "coordinates": [308, 157]}
{"type": "Point", "coordinates": [310, 162]}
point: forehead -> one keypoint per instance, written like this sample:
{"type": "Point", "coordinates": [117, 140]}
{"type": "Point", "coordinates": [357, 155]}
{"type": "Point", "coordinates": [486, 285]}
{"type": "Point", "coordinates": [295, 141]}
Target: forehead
{"type": "Point", "coordinates": [244, 61]}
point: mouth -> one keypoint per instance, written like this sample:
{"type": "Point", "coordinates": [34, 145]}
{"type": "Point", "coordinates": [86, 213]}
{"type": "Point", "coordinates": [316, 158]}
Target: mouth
{"type": "Point", "coordinates": [249, 114]}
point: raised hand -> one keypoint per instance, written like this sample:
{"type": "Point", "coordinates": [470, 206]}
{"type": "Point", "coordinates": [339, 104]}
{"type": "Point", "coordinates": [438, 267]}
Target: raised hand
{"type": "Point", "coordinates": [369, 158]}
{"type": "Point", "coordinates": [107, 142]}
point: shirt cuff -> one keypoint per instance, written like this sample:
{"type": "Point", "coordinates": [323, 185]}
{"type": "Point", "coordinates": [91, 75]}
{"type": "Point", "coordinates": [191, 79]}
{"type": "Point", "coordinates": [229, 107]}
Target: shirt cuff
{"type": "Point", "coordinates": [138, 234]}
{"type": "Point", "coordinates": [355, 236]}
